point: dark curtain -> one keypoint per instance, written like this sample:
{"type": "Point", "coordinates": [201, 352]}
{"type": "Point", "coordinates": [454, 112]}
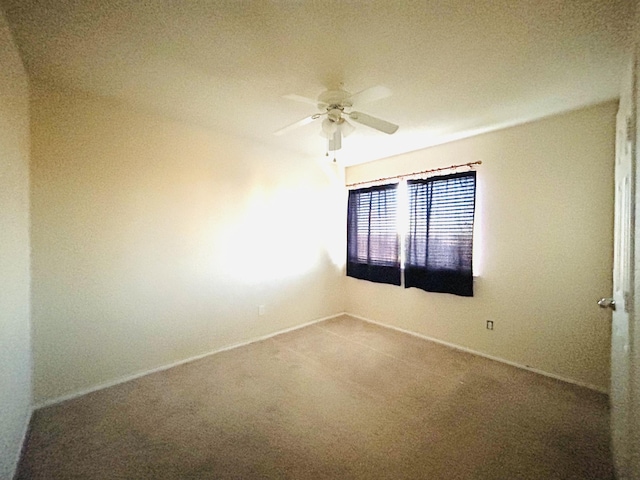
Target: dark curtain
{"type": "Point", "coordinates": [373, 246]}
{"type": "Point", "coordinates": [440, 239]}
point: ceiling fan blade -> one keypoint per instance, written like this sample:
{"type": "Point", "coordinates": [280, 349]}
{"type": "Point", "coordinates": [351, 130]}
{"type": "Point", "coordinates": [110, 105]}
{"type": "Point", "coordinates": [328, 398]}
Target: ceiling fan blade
{"type": "Point", "coordinates": [373, 122]}
{"type": "Point", "coordinates": [300, 98]}
{"type": "Point", "coordinates": [371, 94]}
{"type": "Point", "coordinates": [335, 143]}
{"type": "Point", "coordinates": [299, 123]}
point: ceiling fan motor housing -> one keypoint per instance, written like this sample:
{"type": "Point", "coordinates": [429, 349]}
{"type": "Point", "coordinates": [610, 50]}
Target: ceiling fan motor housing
{"type": "Point", "coordinates": [334, 113]}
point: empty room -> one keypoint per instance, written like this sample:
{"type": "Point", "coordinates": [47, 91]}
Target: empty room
{"type": "Point", "coordinates": [318, 239]}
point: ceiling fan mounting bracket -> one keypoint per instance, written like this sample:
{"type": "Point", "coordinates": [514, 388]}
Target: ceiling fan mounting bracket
{"type": "Point", "coordinates": [332, 98]}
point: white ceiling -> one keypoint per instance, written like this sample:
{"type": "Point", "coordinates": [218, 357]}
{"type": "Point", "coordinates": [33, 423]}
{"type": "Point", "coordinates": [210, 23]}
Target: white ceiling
{"type": "Point", "coordinates": [456, 67]}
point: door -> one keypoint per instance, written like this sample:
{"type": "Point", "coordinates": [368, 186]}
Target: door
{"type": "Point", "coordinates": [623, 275]}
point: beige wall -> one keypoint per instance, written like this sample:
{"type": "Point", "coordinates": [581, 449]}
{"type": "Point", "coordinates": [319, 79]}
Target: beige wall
{"type": "Point", "coordinates": [144, 232]}
{"type": "Point", "coordinates": [154, 241]}
{"type": "Point", "coordinates": [544, 247]}
{"type": "Point", "coordinates": [15, 350]}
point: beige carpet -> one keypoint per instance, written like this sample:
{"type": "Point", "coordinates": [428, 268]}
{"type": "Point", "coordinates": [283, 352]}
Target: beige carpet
{"type": "Point", "coordinates": [341, 399]}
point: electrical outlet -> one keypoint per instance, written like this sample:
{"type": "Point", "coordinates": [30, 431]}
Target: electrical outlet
{"type": "Point", "coordinates": [489, 324]}
{"type": "Point", "coordinates": [261, 310]}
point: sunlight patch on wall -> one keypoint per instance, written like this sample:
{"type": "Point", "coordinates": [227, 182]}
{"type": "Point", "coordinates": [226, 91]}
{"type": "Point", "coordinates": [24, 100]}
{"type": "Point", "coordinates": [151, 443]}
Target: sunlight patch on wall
{"type": "Point", "coordinates": [333, 216]}
{"type": "Point", "coordinates": [277, 236]}
{"type": "Point", "coordinates": [332, 212]}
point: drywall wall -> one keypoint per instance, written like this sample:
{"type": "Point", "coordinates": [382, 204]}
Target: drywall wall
{"type": "Point", "coordinates": [544, 247]}
{"type": "Point", "coordinates": [155, 241]}
{"type": "Point", "coordinates": [15, 348]}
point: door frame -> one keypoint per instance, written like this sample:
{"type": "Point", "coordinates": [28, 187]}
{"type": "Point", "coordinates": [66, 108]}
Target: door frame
{"type": "Point", "coordinates": [632, 460]}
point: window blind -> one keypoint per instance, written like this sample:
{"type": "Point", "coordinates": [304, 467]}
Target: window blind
{"type": "Point", "coordinates": [439, 244]}
{"type": "Point", "coordinates": [373, 246]}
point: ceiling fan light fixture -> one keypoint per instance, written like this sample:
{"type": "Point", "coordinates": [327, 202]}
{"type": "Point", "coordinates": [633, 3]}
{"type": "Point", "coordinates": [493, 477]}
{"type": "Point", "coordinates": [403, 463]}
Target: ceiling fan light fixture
{"type": "Point", "coordinates": [346, 128]}
{"type": "Point", "coordinates": [329, 127]}
{"type": "Point", "coordinates": [335, 142]}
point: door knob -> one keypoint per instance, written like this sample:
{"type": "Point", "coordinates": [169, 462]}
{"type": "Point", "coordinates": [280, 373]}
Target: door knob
{"type": "Point", "coordinates": [607, 303]}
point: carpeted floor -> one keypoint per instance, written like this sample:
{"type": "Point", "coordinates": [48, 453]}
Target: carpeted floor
{"type": "Point", "coordinates": [342, 399]}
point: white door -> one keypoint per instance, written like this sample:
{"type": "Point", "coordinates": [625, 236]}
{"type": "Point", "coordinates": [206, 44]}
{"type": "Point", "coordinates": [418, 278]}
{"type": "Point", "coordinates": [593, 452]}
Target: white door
{"type": "Point", "coordinates": [623, 275]}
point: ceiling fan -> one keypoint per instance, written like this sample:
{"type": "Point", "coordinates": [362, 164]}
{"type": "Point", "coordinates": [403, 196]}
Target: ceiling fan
{"type": "Point", "coordinates": [336, 107]}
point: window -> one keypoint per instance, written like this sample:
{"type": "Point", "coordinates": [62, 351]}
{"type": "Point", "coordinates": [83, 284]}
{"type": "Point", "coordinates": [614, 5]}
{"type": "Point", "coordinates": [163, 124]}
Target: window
{"type": "Point", "coordinates": [373, 243]}
{"type": "Point", "coordinates": [439, 241]}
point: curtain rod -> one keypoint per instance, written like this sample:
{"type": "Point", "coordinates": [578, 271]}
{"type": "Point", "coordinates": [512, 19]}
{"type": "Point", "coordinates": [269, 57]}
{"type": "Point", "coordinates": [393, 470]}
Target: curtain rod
{"type": "Point", "coordinates": [396, 177]}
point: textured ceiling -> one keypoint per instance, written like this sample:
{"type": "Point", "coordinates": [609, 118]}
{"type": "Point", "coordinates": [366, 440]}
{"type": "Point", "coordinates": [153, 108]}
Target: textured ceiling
{"type": "Point", "coordinates": [455, 67]}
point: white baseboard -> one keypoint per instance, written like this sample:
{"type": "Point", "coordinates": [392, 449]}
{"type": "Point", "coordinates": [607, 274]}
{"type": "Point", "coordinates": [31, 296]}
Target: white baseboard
{"type": "Point", "coordinates": [485, 355]}
{"type": "Point", "coordinates": [128, 378]}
